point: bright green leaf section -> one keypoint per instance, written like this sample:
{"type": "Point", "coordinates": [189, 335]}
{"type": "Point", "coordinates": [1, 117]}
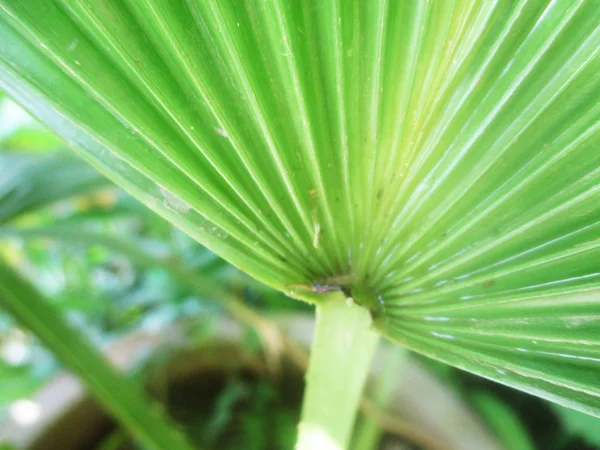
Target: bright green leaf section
{"type": "Point", "coordinates": [438, 159]}
{"type": "Point", "coordinates": [119, 395]}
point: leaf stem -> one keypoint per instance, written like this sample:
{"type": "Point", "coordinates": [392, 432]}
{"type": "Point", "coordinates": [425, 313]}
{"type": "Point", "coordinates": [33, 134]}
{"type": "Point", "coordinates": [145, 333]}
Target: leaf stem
{"type": "Point", "coordinates": [340, 358]}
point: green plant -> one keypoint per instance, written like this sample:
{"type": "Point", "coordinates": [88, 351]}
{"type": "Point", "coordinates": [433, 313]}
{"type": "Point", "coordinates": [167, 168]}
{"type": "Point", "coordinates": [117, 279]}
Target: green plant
{"type": "Point", "coordinates": [121, 396]}
{"type": "Point", "coordinates": [44, 237]}
{"type": "Point", "coordinates": [434, 162]}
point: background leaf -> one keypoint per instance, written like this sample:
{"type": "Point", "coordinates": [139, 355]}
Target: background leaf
{"type": "Point", "coordinates": [579, 424]}
{"type": "Point", "coordinates": [31, 180]}
{"type": "Point", "coordinates": [119, 395]}
{"type": "Point", "coordinates": [502, 420]}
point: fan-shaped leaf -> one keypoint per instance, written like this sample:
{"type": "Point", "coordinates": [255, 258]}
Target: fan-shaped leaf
{"type": "Point", "coordinates": [437, 160]}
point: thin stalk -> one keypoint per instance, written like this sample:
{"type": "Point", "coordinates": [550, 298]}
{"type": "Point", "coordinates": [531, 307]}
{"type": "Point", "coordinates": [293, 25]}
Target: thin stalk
{"type": "Point", "coordinates": [397, 426]}
{"type": "Point", "coordinates": [340, 359]}
{"type": "Point", "coordinates": [368, 433]}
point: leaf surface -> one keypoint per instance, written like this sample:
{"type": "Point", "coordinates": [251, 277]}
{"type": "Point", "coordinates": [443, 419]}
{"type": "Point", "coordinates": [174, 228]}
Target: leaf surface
{"type": "Point", "coordinates": [438, 160]}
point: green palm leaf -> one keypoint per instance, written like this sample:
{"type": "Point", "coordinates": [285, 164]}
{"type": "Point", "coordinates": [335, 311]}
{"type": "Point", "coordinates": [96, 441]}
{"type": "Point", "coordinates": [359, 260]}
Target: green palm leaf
{"type": "Point", "coordinates": [438, 161]}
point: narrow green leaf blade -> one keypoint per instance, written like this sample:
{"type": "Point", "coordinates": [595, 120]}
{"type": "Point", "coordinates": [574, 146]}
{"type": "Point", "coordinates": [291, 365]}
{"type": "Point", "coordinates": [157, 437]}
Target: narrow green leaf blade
{"type": "Point", "coordinates": [124, 399]}
{"type": "Point", "coordinates": [502, 420]}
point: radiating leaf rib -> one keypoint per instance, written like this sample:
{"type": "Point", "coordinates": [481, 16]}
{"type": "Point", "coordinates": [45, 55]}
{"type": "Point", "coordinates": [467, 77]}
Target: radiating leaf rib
{"type": "Point", "coordinates": [397, 160]}
{"type": "Point", "coordinates": [98, 153]}
{"type": "Point", "coordinates": [183, 165]}
{"type": "Point", "coordinates": [519, 125]}
{"type": "Point", "coordinates": [471, 135]}
{"type": "Point", "coordinates": [172, 48]}
{"type": "Point", "coordinates": [573, 204]}
{"type": "Point", "coordinates": [438, 160]}
{"type": "Point", "coordinates": [460, 93]}
{"type": "Point", "coordinates": [165, 95]}
{"type": "Point", "coordinates": [157, 195]}
{"type": "Point", "coordinates": [577, 391]}
{"type": "Point", "coordinates": [342, 117]}
{"type": "Point", "coordinates": [523, 178]}
{"type": "Point", "coordinates": [263, 123]}
{"type": "Point", "coordinates": [307, 138]}
{"type": "Point", "coordinates": [374, 69]}
{"type": "Point", "coordinates": [309, 24]}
